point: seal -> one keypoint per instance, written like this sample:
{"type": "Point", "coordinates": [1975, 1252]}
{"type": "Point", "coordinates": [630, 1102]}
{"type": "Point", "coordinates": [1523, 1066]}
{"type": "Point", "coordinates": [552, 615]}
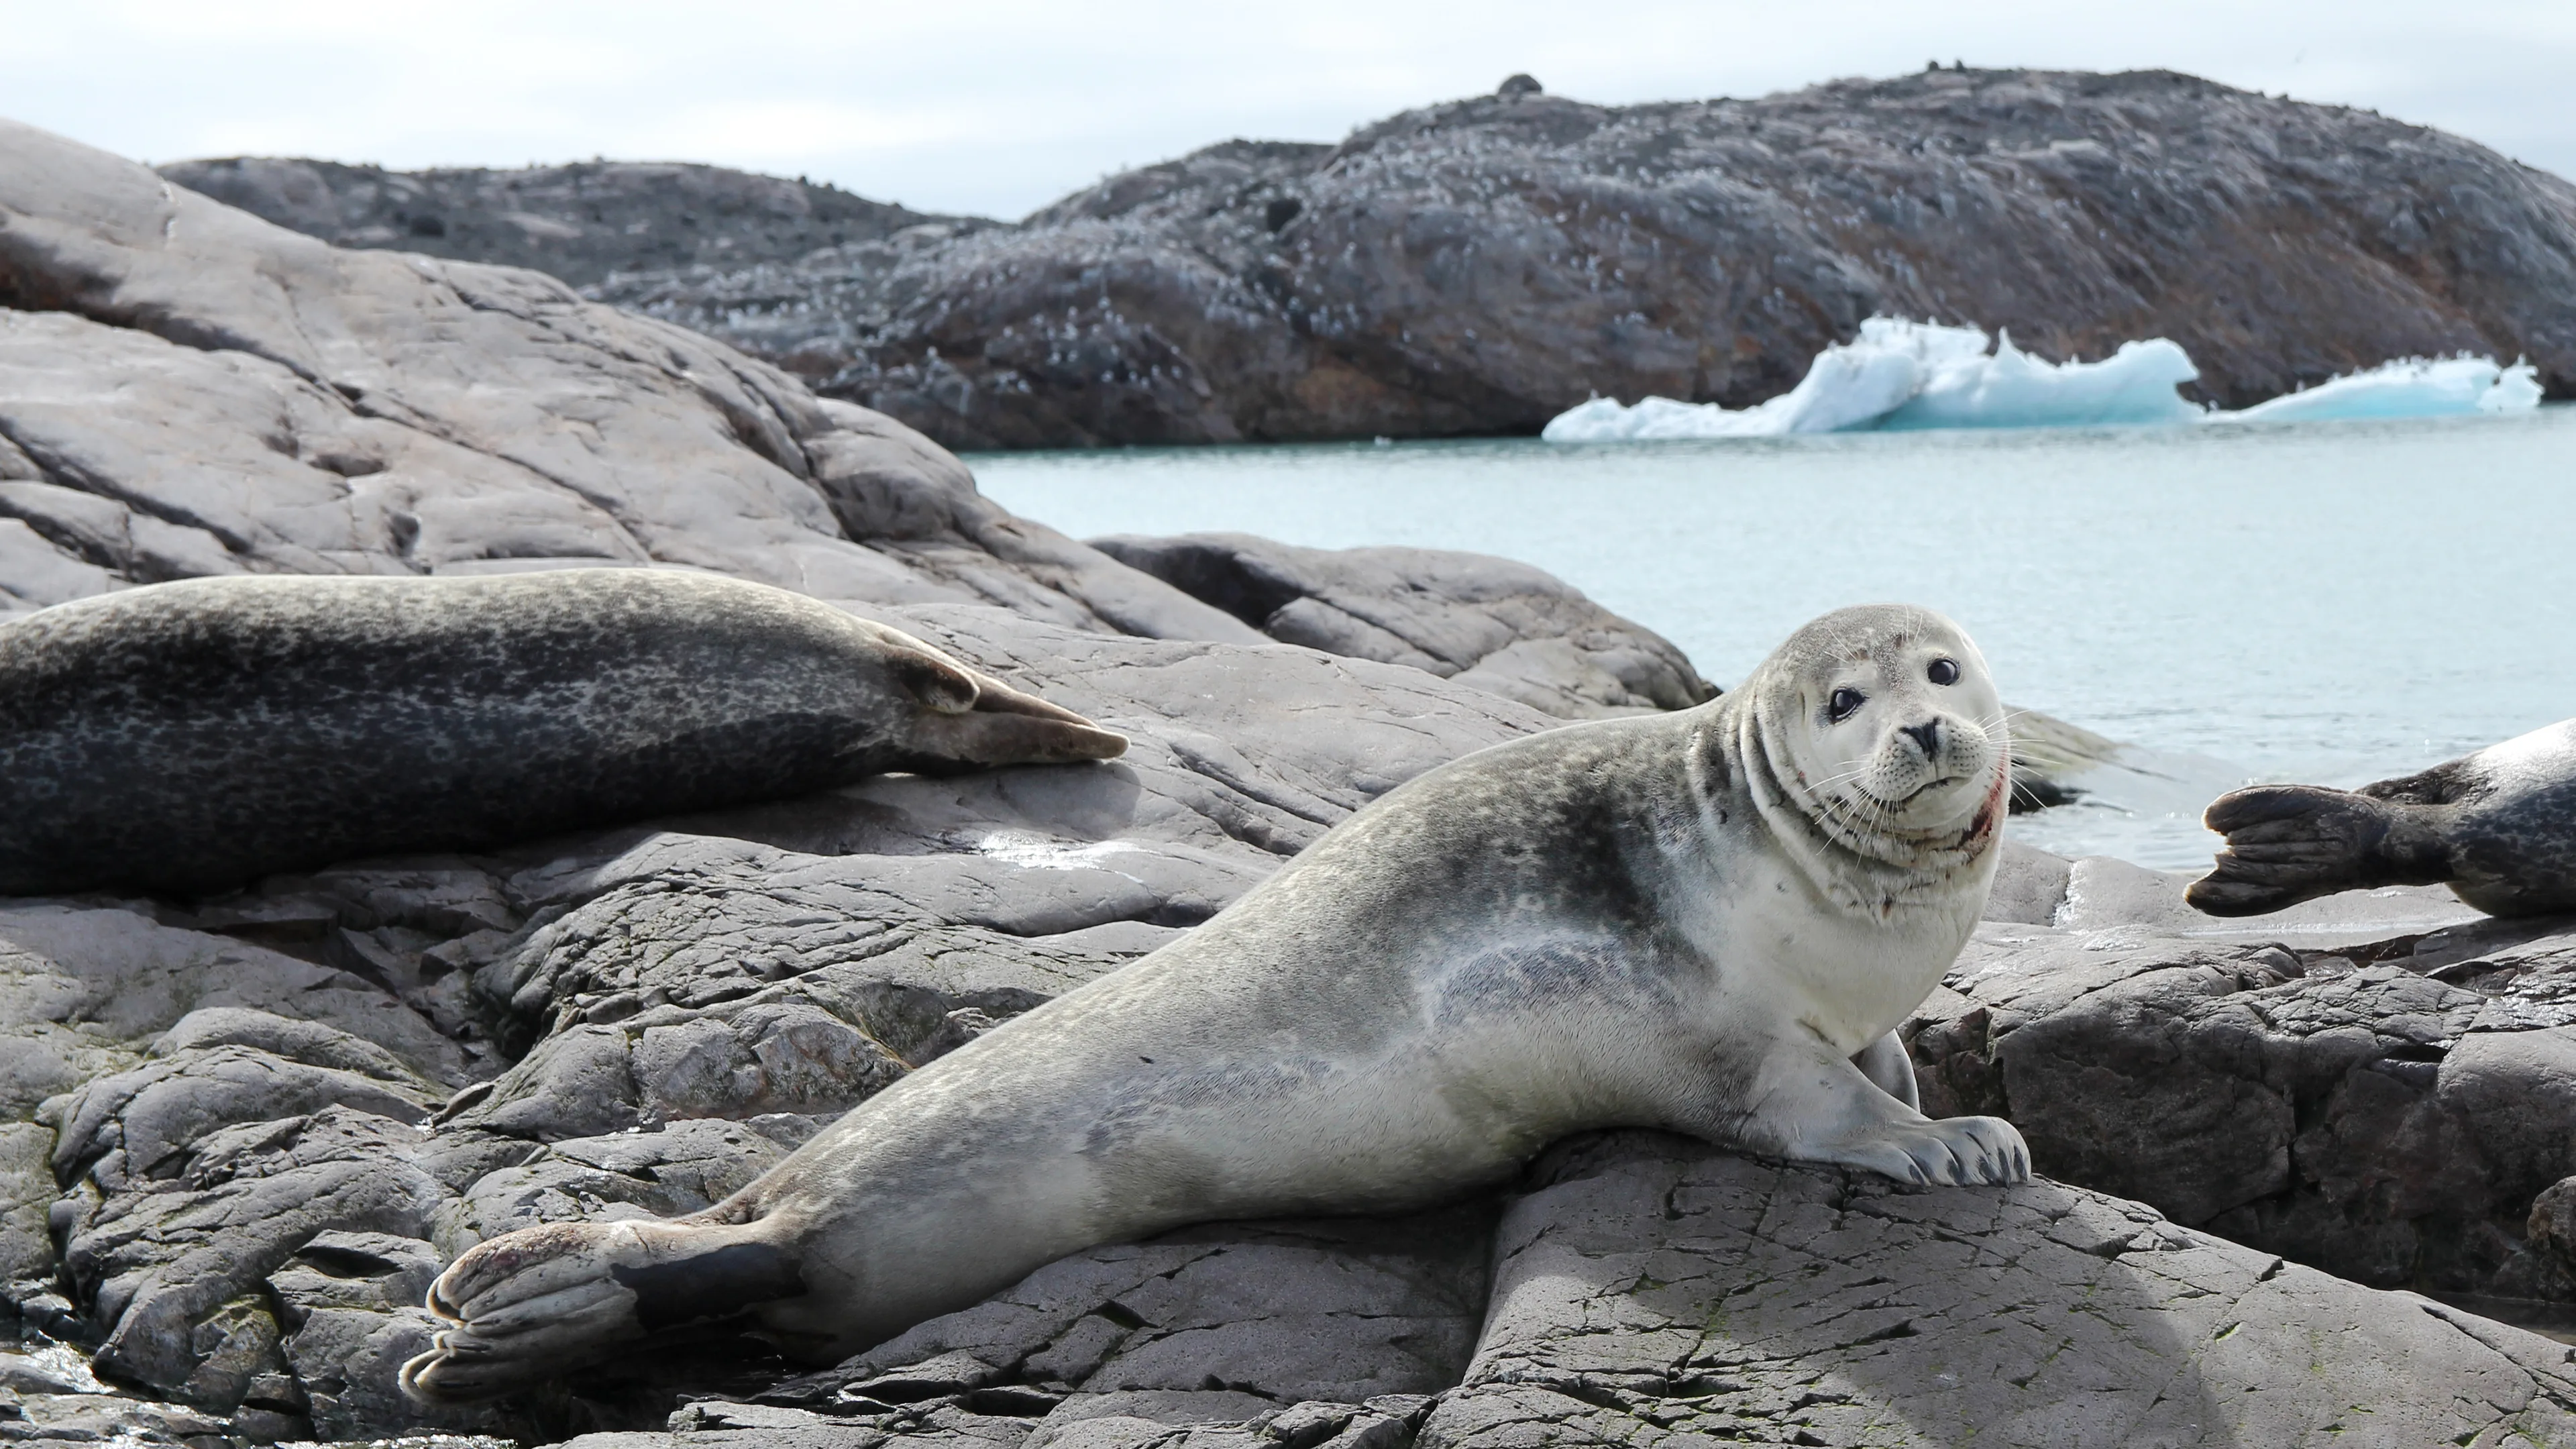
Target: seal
{"type": "Point", "coordinates": [2498, 827]}
{"type": "Point", "coordinates": [187, 737]}
{"type": "Point", "coordinates": [1709, 921]}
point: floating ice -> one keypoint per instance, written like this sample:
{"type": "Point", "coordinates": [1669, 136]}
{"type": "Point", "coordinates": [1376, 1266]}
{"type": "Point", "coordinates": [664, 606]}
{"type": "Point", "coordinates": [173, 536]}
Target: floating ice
{"type": "Point", "coordinates": [2415, 388]}
{"type": "Point", "coordinates": [1900, 374]}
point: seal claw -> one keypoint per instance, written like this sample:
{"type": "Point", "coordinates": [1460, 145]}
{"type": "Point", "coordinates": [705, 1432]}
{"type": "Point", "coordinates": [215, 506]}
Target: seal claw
{"type": "Point", "coordinates": [538, 1303]}
{"type": "Point", "coordinates": [1946, 1151]}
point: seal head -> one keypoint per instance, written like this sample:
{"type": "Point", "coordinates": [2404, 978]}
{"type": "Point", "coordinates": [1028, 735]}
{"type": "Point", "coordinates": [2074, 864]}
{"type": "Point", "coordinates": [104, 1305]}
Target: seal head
{"type": "Point", "coordinates": [1875, 745]}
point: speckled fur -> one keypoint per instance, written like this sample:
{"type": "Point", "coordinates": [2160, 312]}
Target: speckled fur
{"type": "Point", "coordinates": [191, 736]}
{"type": "Point", "coordinates": [1671, 921]}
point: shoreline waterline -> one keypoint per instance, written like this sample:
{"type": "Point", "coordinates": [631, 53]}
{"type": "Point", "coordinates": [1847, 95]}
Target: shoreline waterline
{"type": "Point", "coordinates": [2332, 601]}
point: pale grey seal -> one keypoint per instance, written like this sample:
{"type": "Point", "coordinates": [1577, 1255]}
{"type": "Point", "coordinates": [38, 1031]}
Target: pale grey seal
{"type": "Point", "coordinates": [2498, 827]}
{"type": "Point", "coordinates": [191, 736]}
{"type": "Point", "coordinates": [1694, 921]}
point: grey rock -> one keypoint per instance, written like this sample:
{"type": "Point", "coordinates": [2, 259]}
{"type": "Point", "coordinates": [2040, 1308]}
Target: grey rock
{"type": "Point", "coordinates": [1655, 1288]}
{"type": "Point", "coordinates": [580, 221]}
{"type": "Point", "coordinates": [177, 1267]}
{"type": "Point", "coordinates": [96, 1418]}
{"type": "Point", "coordinates": [310, 1043]}
{"type": "Point", "coordinates": [1481, 265]}
{"type": "Point", "coordinates": [1277, 1313]}
{"type": "Point", "coordinates": [1490, 622]}
{"type": "Point", "coordinates": [145, 1124]}
{"type": "Point", "coordinates": [2388, 1112]}
{"type": "Point", "coordinates": [2030, 885]}
{"type": "Point", "coordinates": [102, 978]}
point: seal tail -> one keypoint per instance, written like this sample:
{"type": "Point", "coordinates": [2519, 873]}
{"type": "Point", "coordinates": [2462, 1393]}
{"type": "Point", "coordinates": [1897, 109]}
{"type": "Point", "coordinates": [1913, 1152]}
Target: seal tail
{"type": "Point", "coordinates": [2293, 843]}
{"type": "Point", "coordinates": [538, 1303]}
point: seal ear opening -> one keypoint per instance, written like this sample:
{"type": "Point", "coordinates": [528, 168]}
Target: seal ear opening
{"type": "Point", "coordinates": [933, 682]}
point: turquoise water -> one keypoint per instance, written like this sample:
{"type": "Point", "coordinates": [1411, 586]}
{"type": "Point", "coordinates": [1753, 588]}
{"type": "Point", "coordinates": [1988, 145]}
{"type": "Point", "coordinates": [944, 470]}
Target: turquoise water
{"type": "Point", "coordinates": [2334, 602]}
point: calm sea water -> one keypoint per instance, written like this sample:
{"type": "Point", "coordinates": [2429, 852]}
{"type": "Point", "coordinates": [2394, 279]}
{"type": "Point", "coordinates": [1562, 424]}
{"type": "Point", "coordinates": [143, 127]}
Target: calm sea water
{"type": "Point", "coordinates": [2334, 602]}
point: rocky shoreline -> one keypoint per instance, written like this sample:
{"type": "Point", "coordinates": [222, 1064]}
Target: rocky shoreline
{"type": "Point", "coordinates": [1480, 266]}
{"type": "Point", "coordinates": [240, 1133]}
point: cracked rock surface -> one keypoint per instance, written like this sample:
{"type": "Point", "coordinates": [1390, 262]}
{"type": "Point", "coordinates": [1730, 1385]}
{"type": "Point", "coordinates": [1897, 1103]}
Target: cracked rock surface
{"type": "Point", "coordinates": [1654, 1291]}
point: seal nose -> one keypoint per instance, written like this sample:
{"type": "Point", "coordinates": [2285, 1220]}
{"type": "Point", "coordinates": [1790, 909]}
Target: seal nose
{"type": "Point", "coordinates": [1928, 735]}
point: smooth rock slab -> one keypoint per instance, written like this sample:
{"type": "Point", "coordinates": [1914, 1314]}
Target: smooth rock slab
{"type": "Point", "coordinates": [1659, 1292]}
{"type": "Point", "coordinates": [1499, 625]}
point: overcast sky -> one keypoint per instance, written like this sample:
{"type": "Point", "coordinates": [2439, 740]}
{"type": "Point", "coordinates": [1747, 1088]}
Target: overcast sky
{"type": "Point", "coordinates": [996, 108]}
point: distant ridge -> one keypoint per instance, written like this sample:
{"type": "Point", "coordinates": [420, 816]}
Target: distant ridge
{"type": "Point", "coordinates": [1481, 265]}
{"type": "Point", "coordinates": [579, 221]}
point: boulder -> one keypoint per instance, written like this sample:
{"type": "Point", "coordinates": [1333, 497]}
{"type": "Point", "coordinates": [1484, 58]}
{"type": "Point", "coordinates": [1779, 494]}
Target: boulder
{"type": "Point", "coordinates": [1657, 1287]}
{"type": "Point", "coordinates": [1490, 622]}
{"type": "Point", "coordinates": [1644, 1287]}
{"type": "Point", "coordinates": [2387, 1105]}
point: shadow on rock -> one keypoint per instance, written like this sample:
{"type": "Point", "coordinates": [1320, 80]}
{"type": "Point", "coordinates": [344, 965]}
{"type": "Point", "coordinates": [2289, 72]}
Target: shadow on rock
{"type": "Point", "coordinates": [1713, 1295]}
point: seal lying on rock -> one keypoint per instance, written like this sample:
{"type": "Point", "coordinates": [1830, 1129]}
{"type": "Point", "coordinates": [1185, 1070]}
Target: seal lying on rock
{"type": "Point", "coordinates": [1709, 921]}
{"type": "Point", "coordinates": [191, 736]}
{"type": "Point", "coordinates": [2498, 827]}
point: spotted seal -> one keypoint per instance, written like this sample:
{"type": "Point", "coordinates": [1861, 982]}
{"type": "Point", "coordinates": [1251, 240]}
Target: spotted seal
{"type": "Point", "coordinates": [190, 736]}
{"type": "Point", "coordinates": [1708, 921]}
{"type": "Point", "coordinates": [2498, 827]}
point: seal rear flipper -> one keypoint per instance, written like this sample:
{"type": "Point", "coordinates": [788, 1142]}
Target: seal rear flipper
{"type": "Point", "coordinates": [545, 1301]}
{"type": "Point", "coordinates": [2293, 843]}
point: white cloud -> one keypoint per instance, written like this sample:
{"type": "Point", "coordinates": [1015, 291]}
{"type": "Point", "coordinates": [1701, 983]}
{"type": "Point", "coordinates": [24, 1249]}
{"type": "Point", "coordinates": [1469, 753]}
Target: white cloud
{"type": "Point", "coordinates": [998, 106]}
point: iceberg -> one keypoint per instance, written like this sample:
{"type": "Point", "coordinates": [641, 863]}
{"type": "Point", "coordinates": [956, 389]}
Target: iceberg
{"type": "Point", "coordinates": [2414, 388]}
{"type": "Point", "coordinates": [1903, 375]}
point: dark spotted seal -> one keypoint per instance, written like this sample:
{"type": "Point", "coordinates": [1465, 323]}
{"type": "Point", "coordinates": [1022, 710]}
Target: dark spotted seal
{"type": "Point", "coordinates": [1695, 921]}
{"type": "Point", "coordinates": [2498, 827]}
{"type": "Point", "coordinates": [191, 736]}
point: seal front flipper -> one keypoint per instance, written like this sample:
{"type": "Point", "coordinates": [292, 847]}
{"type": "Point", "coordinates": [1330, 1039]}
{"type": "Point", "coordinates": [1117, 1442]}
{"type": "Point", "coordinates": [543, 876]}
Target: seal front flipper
{"type": "Point", "coordinates": [544, 1301]}
{"type": "Point", "coordinates": [2293, 843]}
{"type": "Point", "coordinates": [966, 719]}
{"type": "Point", "coordinates": [1818, 1108]}
{"type": "Point", "coordinates": [1006, 727]}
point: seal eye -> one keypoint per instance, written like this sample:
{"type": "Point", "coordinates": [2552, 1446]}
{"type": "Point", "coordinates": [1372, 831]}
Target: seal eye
{"type": "Point", "coordinates": [1843, 703]}
{"type": "Point", "coordinates": [1943, 671]}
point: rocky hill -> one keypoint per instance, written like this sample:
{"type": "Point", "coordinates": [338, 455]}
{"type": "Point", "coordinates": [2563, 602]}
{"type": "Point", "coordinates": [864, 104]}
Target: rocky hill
{"type": "Point", "coordinates": [1478, 266]}
{"type": "Point", "coordinates": [580, 222]}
